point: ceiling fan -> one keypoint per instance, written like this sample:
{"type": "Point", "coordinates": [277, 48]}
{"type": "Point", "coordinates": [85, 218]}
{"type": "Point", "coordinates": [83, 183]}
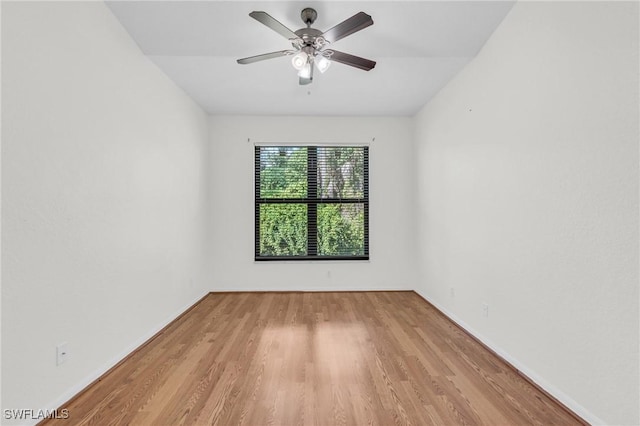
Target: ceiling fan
{"type": "Point", "coordinates": [310, 45]}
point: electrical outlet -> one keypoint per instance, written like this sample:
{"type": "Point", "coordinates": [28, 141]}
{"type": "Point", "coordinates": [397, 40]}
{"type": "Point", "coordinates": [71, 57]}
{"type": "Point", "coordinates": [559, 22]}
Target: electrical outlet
{"type": "Point", "coordinates": [485, 310]}
{"type": "Point", "coordinates": [452, 292]}
{"type": "Point", "coordinates": [62, 353]}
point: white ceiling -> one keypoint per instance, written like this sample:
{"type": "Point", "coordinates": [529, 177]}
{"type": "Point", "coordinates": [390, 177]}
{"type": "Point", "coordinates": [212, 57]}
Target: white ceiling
{"type": "Point", "coordinates": [418, 46]}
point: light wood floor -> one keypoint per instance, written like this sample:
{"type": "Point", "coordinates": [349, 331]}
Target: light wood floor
{"type": "Point", "coordinates": [364, 358]}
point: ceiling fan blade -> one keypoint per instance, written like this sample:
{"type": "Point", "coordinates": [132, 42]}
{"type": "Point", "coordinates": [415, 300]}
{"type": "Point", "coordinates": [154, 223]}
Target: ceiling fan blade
{"type": "Point", "coordinates": [349, 26]}
{"type": "Point", "coordinates": [252, 59]}
{"type": "Point", "coordinates": [352, 60]}
{"type": "Point", "coordinates": [272, 23]}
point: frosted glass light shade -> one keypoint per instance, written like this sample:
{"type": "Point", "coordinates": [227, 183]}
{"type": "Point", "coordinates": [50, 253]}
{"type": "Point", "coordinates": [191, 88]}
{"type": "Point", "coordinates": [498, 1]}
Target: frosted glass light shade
{"type": "Point", "coordinates": [305, 72]}
{"type": "Point", "coordinates": [299, 60]}
{"type": "Point", "coordinates": [322, 63]}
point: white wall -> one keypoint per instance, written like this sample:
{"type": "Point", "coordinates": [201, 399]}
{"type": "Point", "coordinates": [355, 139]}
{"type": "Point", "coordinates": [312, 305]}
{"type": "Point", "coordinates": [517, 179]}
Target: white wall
{"type": "Point", "coordinates": [232, 152]}
{"type": "Point", "coordinates": [528, 200]}
{"type": "Point", "coordinates": [103, 197]}
{"type": "Point", "coordinates": [527, 167]}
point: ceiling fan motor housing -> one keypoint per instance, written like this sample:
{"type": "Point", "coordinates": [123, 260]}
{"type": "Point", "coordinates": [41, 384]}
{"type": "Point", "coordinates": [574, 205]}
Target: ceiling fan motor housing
{"type": "Point", "coordinates": [308, 35]}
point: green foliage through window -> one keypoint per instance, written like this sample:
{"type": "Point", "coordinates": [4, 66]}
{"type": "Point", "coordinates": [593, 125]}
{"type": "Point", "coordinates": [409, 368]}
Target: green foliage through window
{"type": "Point", "coordinates": [311, 202]}
{"type": "Point", "coordinates": [340, 229]}
{"type": "Point", "coordinates": [283, 228]}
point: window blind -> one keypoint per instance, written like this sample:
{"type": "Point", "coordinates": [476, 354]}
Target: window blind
{"type": "Point", "coordinates": [311, 202]}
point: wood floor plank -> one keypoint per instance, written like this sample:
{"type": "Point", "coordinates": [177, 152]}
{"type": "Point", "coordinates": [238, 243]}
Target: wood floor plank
{"type": "Point", "coordinates": [342, 358]}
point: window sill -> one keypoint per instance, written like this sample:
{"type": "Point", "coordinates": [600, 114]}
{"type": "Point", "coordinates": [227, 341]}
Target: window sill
{"type": "Point", "coordinates": [312, 261]}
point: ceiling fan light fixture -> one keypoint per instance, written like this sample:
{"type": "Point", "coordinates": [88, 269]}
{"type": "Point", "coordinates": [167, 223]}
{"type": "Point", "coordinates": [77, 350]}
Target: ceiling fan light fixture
{"type": "Point", "coordinates": [300, 60]}
{"type": "Point", "coordinates": [305, 71]}
{"type": "Point", "coordinates": [322, 63]}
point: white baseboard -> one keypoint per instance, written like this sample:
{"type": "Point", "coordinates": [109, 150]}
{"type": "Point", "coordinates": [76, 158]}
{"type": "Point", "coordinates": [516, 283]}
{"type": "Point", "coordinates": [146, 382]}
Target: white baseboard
{"type": "Point", "coordinates": [78, 387]}
{"type": "Point", "coordinates": [302, 290]}
{"type": "Point", "coordinates": [565, 399]}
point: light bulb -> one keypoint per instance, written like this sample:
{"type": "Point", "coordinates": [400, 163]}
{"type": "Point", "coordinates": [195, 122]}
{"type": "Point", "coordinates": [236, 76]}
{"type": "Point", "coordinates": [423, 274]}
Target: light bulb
{"type": "Point", "coordinates": [299, 60]}
{"type": "Point", "coordinates": [305, 71]}
{"type": "Point", "coordinates": [322, 63]}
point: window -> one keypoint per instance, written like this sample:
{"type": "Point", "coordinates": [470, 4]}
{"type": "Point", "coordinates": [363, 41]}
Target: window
{"type": "Point", "coordinates": [312, 202]}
